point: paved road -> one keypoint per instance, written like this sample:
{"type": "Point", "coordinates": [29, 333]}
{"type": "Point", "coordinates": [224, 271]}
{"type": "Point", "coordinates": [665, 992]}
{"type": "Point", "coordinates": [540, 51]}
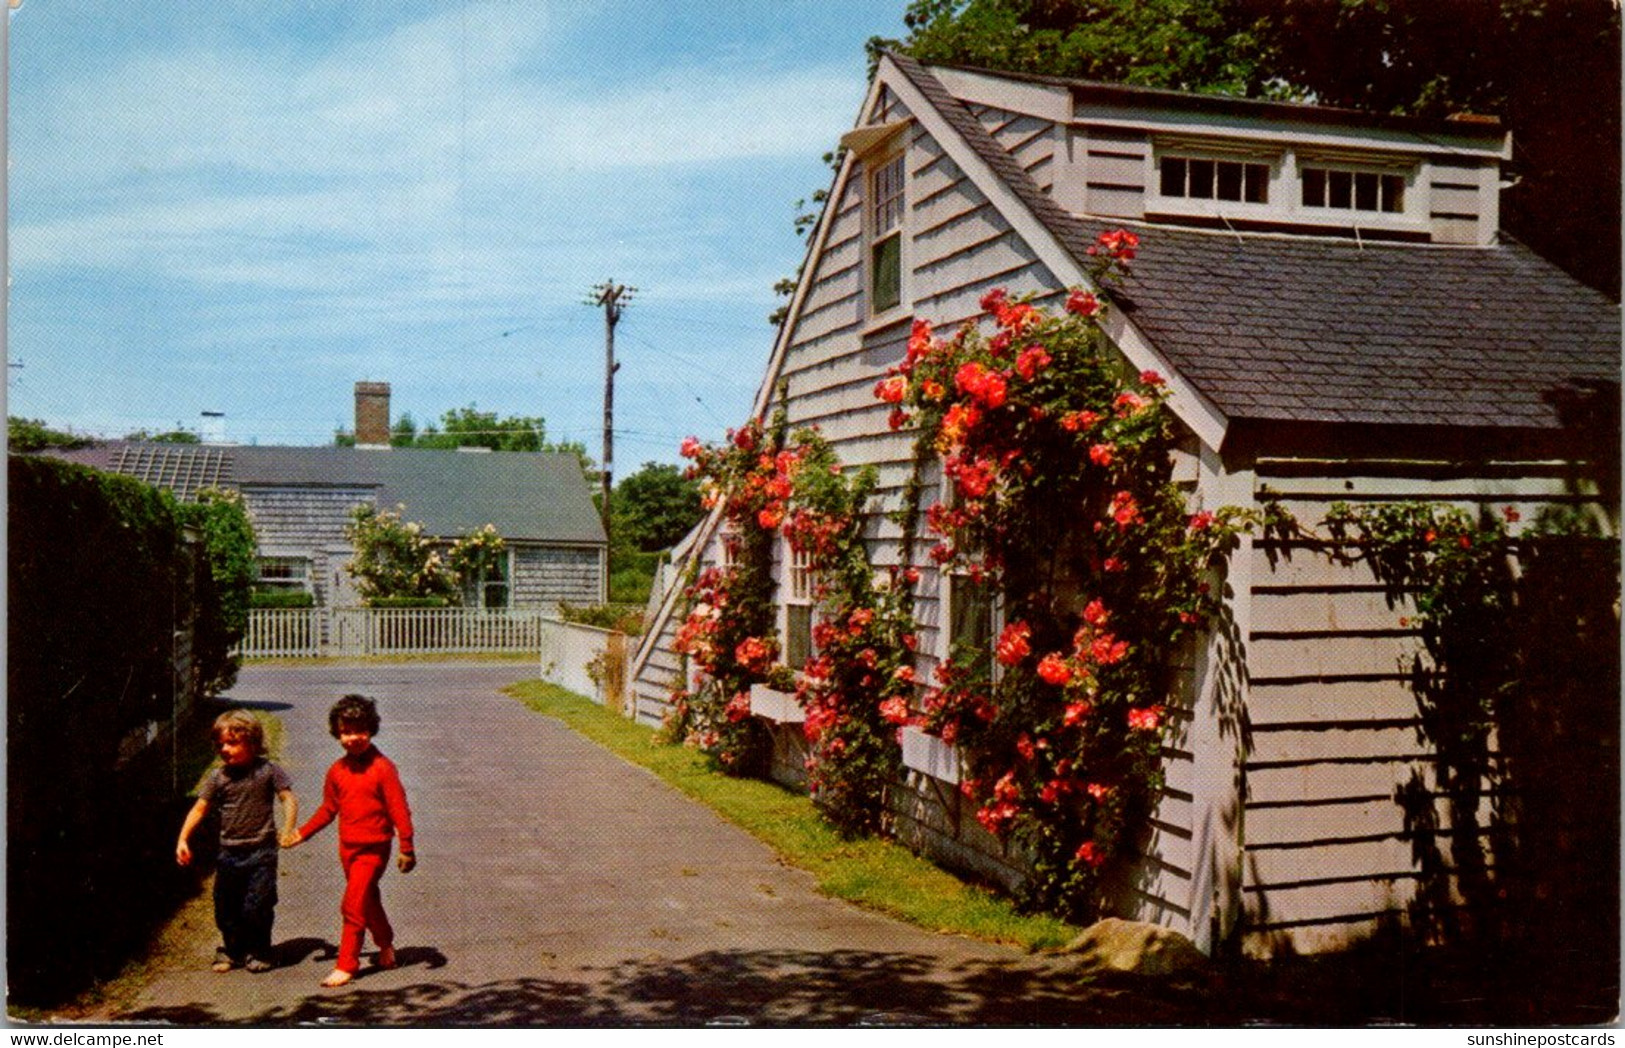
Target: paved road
{"type": "Point", "coordinates": [559, 885]}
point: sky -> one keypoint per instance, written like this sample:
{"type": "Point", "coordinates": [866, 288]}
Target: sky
{"type": "Point", "coordinates": [247, 207]}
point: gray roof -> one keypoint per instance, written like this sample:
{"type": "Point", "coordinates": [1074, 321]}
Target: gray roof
{"type": "Point", "coordinates": [526, 496]}
{"type": "Point", "coordinates": [1280, 328]}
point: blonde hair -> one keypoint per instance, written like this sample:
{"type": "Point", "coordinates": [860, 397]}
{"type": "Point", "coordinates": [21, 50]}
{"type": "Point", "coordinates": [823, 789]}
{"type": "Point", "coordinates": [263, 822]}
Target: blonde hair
{"type": "Point", "coordinates": [239, 724]}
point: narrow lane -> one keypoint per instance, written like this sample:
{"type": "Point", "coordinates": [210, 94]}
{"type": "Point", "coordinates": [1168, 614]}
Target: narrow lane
{"type": "Point", "coordinates": [559, 885]}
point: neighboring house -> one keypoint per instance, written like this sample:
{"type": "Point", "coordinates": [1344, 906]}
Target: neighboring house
{"type": "Point", "coordinates": [1338, 318]}
{"type": "Point", "coordinates": [300, 498]}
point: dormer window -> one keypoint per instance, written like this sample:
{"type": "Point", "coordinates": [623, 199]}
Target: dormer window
{"type": "Point", "coordinates": [1347, 189]}
{"type": "Point", "coordinates": [1203, 178]}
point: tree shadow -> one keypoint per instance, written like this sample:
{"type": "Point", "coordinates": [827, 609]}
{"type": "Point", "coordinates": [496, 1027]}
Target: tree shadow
{"type": "Point", "coordinates": [751, 987]}
{"type": "Point", "coordinates": [226, 702]}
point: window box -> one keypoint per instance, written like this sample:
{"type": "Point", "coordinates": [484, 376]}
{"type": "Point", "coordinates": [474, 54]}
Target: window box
{"type": "Point", "coordinates": [774, 705]}
{"type": "Point", "coordinates": [930, 755]}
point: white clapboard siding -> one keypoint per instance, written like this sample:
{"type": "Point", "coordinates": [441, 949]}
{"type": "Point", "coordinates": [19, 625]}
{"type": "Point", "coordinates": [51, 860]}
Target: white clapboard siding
{"type": "Point", "coordinates": [1334, 727]}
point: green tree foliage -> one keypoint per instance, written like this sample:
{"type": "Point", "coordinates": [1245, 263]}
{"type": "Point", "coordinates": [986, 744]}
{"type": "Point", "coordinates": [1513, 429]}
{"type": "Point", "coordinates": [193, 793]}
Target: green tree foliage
{"type": "Point", "coordinates": [395, 560]}
{"type": "Point", "coordinates": [228, 546]}
{"type": "Point", "coordinates": [1550, 69]}
{"type": "Point", "coordinates": [1187, 45]}
{"type": "Point", "coordinates": [169, 436]}
{"type": "Point", "coordinates": [30, 434]}
{"type": "Point", "coordinates": [655, 507]}
{"type": "Point", "coordinates": [472, 428]}
{"type": "Point", "coordinates": [99, 579]}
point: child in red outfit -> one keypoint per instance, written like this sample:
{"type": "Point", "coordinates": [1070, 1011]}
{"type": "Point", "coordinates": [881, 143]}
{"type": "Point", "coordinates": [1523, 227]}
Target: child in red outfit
{"type": "Point", "coordinates": [364, 791]}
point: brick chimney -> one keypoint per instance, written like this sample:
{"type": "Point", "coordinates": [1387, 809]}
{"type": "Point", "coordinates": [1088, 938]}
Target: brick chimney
{"type": "Point", "coordinates": [372, 414]}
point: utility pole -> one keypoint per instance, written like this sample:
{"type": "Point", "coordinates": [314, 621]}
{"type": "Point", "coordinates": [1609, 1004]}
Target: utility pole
{"type": "Point", "coordinates": [614, 298]}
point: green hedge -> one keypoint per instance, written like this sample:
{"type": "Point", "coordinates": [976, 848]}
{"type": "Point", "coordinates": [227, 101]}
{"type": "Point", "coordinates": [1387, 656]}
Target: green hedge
{"type": "Point", "coordinates": [281, 598]}
{"type": "Point", "coordinates": [409, 602]}
{"type": "Point", "coordinates": [100, 577]}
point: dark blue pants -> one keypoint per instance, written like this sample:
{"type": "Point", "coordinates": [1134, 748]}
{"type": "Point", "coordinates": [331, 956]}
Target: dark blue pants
{"type": "Point", "coordinates": [245, 900]}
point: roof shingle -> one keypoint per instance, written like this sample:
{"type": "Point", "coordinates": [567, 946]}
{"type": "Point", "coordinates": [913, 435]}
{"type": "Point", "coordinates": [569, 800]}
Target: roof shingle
{"type": "Point", "coordinates": [1288, 328]}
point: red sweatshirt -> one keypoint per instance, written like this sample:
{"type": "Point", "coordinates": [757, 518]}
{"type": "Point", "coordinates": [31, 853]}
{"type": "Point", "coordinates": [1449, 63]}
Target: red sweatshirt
{"type": "Point", "coordinates": [365, 793]}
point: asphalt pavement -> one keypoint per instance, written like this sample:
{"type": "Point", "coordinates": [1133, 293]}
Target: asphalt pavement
{"type": "Point", "coordinates": [558, 885]}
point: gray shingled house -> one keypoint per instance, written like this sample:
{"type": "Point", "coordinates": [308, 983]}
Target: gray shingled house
{"type": "Point", "coordinates": [300, 498]}
{"type": "Point", "coordinates": [1338, 317]}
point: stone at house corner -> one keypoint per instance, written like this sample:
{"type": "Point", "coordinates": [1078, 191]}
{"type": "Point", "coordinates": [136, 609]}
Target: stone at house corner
{"type": "Point", "coordinates": [1138, 948]}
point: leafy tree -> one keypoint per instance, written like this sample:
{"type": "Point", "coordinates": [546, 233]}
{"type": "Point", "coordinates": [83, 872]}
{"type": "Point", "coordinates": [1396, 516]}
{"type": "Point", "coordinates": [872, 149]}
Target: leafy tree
{"type": "Point", "coordinates": [228, 545]}
{"type": "Point", "coordinates": [472, 428]}
{"type": "Point", "coordinates": [655, 507]}
{"type": "Point", "coordinates": [1187, 45]}
{"type": "Point", "coordinates": [394, 559]}
{"type": "Point", "coordinates": [404, 433]}
{"type": "Point", "coordinates": [30, 434]}
{"type": "Point", "coordinates": [1539, 64]}
{"type": "Point", "coordinates": [171, 436]}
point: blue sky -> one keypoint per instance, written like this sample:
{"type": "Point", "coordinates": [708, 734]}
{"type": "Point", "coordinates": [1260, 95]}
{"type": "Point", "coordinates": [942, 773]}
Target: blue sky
{"type": "Point", "coordinates": [218, 205]}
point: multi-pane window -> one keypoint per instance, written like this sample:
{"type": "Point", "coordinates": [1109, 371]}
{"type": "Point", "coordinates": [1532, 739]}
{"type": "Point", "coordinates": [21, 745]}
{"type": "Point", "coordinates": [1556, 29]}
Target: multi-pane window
{"type": "Point", "coordinates": [798, 608]}
{"type": "Point", "coordinates": [1347, 190]}
{"type": "Point", "coordinates": [284, 573]}
{"type": "Point", "coordinates": [885, 234]}
{"type": "Point", "coordinates": [488, 588]}
{"type": "Point", "coordinates": [970, 621]}
{"type": "Point", "coordinates": [1202, 178]}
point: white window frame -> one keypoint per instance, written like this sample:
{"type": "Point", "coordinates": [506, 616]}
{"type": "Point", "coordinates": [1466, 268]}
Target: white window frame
{"type": "Point", "coordinates": [298, 577]}
{"type": "Point", "coordinates": [1405, 173]}
{"type": "Point", "coordinates": [947, 639]}
{"type": "Point", "coordinates": [798, 595]}
{"type": "Point", "coordinates": [885, 222]}
{"type": "Point", "coordinates": [1284, 187]}
{"type": "Point", "coordinates": [478, 587]}
{"type": "Point", "coordinates": [950, 619]}
{"type": "Point", "coordinates": [1276, 181]}
{"type": "Point", "coordinates": [1249, 170]}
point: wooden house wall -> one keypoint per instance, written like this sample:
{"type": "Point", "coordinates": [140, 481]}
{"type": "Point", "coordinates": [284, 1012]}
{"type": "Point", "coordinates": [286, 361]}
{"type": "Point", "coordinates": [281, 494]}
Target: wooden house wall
{"type": "Point", "coordinates": [660, 672]}
{"type": "Point", "coordinates": [1331, 726]}
{"type": "Point", "coordinates": [958, 247]}
{"type": "Point", "coordinates": [306, 522]}
{"type": "Point", "coordinates": [545, 576]}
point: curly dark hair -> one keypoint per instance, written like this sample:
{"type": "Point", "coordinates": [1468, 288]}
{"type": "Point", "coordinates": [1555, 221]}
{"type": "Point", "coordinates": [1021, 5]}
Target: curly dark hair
{"type": "Point", "coordinates": [353, 709]}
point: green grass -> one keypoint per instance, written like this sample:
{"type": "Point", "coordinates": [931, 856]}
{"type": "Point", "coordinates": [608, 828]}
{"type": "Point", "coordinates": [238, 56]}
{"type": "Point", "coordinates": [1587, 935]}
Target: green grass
{"type": "Point", "coordinates": [873, 873]}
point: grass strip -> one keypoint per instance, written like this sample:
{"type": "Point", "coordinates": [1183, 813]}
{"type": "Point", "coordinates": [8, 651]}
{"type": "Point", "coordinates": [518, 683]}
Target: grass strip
{"type": "Point", "coordinates": [873, 873]}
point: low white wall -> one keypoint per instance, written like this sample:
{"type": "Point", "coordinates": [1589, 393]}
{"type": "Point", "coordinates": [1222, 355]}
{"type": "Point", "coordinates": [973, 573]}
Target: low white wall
{"type": "Point", "coordinates": [567, 648]}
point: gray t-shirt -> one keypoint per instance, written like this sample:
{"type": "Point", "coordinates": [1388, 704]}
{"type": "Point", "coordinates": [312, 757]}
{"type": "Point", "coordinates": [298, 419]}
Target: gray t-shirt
{"type": "Point", "coordinates": [245, 797]}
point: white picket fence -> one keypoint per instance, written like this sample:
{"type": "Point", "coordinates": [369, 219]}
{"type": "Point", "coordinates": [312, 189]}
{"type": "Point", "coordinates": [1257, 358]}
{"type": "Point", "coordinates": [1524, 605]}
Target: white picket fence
{"type": "Point", "coordinates": [584, 659]}
{"type": "Point", "coordinates": [310, 632]}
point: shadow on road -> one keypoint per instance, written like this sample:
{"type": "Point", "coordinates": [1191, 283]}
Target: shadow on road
{"type": "Point", "coordinates": [787, 987]}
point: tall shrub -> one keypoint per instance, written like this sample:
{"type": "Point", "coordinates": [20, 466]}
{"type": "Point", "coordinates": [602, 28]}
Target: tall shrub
{"type": "Point", "coordinates": [226, 588]}
{"type": "Point", "coordinates": [96, 573]}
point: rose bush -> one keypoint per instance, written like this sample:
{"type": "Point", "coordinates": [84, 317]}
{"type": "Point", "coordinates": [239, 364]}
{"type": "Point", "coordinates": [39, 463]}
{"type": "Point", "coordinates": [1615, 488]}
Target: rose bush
{"type": "Point", "coordinates": [1058, 493]}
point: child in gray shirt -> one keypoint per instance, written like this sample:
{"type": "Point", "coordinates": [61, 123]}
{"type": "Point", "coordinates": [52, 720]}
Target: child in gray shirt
{"type": "Point", "coordinates": [244, 790]}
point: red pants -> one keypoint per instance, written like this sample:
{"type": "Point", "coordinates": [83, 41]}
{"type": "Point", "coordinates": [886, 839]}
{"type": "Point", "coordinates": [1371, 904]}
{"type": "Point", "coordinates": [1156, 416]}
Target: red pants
{"type": "Point", "coordinates": [363, 906]}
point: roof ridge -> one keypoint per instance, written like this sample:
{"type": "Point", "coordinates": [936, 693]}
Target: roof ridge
{"type": "Point", "coordinates": [1483, 124]}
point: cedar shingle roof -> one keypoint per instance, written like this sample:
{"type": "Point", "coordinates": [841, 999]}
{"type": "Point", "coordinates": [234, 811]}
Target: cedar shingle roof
{"type": "Point", "coordinates": [1280, 328]}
